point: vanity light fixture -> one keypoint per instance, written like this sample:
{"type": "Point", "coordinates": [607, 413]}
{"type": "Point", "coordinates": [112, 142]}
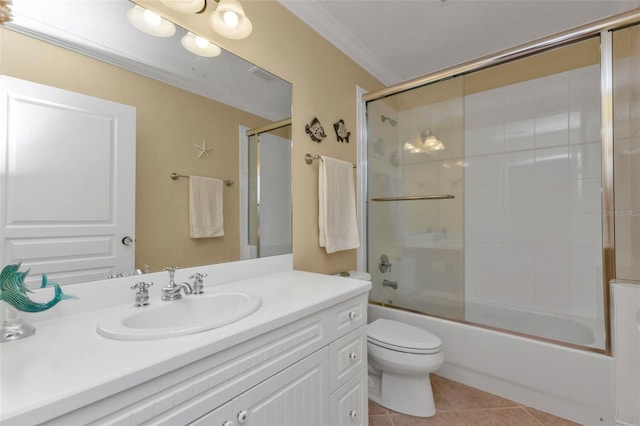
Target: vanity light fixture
{"type": "Point", "coordinates": [150, 22]}
{"type": "Point", "coordinates": [186, 6]}
{"type": "Point", "coordinates": [230, 21]}
{"type": "Point", "coordinates": [429, 142]}
{"type": "Point", "coordinates": [200, 46]}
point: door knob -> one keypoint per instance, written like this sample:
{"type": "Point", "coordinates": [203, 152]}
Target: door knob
{"type": "Point", "coordinates": [127, 241]}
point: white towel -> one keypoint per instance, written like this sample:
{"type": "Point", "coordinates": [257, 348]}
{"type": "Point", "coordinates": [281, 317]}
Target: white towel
{"type": "Point", "coordinates": [337, 205]}
{"type": "Point", "coordinates": [205, 207]}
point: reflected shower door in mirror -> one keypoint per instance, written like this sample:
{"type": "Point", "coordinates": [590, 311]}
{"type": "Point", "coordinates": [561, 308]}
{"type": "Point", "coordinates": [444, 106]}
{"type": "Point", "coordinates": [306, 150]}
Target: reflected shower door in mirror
{"type": "Point", "coordinates": [189, 112]}
{"type": "Point", "coordinates": [269, 216]}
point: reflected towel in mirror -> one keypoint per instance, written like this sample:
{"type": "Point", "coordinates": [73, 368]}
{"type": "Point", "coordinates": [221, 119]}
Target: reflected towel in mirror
{"type": "Point", "coordinates": [337, 205]}
{"type": "Point", "coordinates": [205, 207]}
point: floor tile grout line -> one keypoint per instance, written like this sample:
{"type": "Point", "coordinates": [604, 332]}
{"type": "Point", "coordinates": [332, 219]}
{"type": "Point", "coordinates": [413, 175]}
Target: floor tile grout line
{"type": "Point", "coordinates": [489, 408]}
{"type": "Point", "coordinates": [532, 416]}
{"type": "Point", "coordinates": [462, 418]}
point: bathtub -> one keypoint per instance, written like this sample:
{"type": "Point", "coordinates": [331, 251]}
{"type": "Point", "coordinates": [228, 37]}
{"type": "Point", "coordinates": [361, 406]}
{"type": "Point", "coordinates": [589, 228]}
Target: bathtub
{"type": "Point", "coordinates": [562, 328]}
{"type": "Point", "coordinates": [572, 383]}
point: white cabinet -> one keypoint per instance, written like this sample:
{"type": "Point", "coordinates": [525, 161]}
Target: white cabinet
{"type": "Point", "coordinates": [221, 416]}
{"type": "Point", "coordinates": [312, 371]}
{"type": "Point", "coordinates": [296, 396]}
{"type": "Point", "coordinates": [348, 356]}
{"type": "Point", "coordinates": [349, 405]}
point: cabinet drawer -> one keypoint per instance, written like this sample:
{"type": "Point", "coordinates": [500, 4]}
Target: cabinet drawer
{"type": "Point", "coordinates": [349, 404]}
{"type": "Point", "coordinates": [221, 416]}
{"type": "Point", "coordinates": [349, 315]}
{"type": "Point", "coordinates": [348, 355]}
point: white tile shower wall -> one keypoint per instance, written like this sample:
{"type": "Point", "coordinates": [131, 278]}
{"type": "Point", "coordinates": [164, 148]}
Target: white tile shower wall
{"type": "Point", "coordinates": [532, 213]}
{"type": "Point", "coordinates": [626, 341]}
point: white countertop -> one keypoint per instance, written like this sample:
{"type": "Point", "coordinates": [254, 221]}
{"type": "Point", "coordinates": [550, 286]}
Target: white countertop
{"type": "Point", "coordinates": [67, 364]}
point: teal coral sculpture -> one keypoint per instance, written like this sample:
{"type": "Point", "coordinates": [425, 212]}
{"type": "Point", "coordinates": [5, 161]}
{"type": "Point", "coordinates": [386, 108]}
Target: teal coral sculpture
{"type": "Point", "coordinates": [14, 292]}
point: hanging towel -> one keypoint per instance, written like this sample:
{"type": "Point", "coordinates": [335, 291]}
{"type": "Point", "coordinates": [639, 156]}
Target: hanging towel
{"type": "Point", "coordinates": [205, 207]}
{"type": "Point", "coordinates": [337, 205]}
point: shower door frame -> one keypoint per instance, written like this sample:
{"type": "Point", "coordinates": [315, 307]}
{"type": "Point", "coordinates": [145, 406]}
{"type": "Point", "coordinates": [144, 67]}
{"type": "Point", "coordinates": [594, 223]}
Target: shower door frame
{"type": "Point", "coordinates": [603, 29]}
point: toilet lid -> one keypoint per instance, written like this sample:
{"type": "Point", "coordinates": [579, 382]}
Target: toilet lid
{"type": "Point", "coordinates": [404, 337]}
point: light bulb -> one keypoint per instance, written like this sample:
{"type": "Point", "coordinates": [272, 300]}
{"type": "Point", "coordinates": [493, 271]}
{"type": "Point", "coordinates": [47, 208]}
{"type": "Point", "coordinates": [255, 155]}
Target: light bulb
{"type": "Point", "coordinates": [431, 141]}
{"type": "Point", "coordinates": [200, 46]}
{"type": "Point", "coordinates": [230, 19]}
{"type": "Point", "coordinates": [150, 22]}
{"type": "Point", "coordinates": [152, 18]}
{"type": "Point", "coordinates": [201, 42]}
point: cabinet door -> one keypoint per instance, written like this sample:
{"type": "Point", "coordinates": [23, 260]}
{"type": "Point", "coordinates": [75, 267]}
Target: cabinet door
{"type": "Point", "coordinates": [297, 396]}
{"type": "Point", "coordinates": [349, 406]}
{"type": "Point", "coordinates": [221, 416]}
{"type": "Point", "coordinates": [348, 355]}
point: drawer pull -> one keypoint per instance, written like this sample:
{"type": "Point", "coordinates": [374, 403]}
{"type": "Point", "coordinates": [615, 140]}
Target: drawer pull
{"type": "Point", "coordinates": [227, 423]}
{"type": "Point", "coordinates": [242, 416]}
{"type": "Point", "coordinates": [353, 356]}
{"type": "Point", "coordinates": [353, 414]}
{"type": "Point", "coordinates": [352, 315]}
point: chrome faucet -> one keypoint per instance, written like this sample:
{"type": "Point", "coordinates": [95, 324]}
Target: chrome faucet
{"type": "Point", "coordinates": [142, 293]}
{"type": "Point", "coordinates": [172, 290]}
{"type": "Point", "coordinates": [198, 285]}
{"type": "Point", "coordinates": [392, 284]}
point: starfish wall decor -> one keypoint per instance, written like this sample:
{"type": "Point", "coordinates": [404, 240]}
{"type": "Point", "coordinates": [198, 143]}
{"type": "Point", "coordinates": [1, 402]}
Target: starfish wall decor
{"type": "Point", "coordinates": [203, 149]}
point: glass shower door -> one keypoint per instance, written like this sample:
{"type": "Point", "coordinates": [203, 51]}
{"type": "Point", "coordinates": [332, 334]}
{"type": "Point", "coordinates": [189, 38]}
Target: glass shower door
{"type": "Point", "coordinates": [485, 194]}
{"type": "Point", "coordinates": [416, 199]}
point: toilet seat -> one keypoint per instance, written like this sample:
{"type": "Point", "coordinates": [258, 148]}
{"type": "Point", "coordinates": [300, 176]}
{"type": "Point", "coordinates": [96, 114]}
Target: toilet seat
{"type": "Point", "coordinates": [402, 337]}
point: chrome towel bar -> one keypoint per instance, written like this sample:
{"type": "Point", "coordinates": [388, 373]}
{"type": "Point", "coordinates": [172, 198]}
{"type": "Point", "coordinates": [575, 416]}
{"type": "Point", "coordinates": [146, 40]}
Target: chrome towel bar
{"type": "Point", "coordinates": [415, 197]}
{"type": "Point", "coordinates": [175, 176]}
{"type": "Point", "coordinates": [308, 158]}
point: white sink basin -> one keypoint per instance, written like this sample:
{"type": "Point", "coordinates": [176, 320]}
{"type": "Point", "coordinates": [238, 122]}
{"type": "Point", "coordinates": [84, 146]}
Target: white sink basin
{"type": "Point", "coordinates": [191, 314]}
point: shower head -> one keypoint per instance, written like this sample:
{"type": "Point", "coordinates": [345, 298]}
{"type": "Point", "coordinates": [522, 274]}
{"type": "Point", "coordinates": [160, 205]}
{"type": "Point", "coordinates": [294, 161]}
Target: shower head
{"type": "Point", "coordinates": [391, 121]}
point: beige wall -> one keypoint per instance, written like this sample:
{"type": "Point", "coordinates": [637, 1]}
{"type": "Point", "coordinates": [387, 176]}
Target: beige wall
{"type": "Point", "coordinates": [324, 86]}
{"type": "Point", "coordinates": [170, 122]}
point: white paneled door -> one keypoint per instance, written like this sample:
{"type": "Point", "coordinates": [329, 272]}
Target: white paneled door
{"type": "Point", "coordinates": [67, 183]}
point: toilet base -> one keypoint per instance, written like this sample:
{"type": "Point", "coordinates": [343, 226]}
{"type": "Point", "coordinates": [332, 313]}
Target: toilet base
{"type": "Point", "coordinates": [410, 395]}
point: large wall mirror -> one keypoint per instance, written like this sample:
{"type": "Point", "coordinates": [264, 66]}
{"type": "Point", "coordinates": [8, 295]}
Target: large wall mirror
{"type": "Point", "coordinates": [219, 117]}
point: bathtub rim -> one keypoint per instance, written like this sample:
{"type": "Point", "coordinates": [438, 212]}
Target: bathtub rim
{"type": "Point", "coordinates": [497, 329]}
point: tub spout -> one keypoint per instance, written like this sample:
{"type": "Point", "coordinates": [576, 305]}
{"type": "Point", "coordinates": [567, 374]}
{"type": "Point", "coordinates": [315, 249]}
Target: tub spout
{"type": "Point", "coordinates": [392, 284]}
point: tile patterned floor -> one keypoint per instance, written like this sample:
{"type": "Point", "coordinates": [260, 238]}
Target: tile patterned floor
{"type": "Point", "coordinates": [462, 405]}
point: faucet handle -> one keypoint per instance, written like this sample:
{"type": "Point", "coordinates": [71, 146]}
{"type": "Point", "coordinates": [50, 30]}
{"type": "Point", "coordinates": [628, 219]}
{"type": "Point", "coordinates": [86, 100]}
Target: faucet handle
{"type": "Point", "coordinates": [141, 286]}
{"type": "Point", "coordinates": [198, 276]}
{"type": "Point", "coordinates": [142, 293]}
{"type": "Point", "coordinates": [171, 270]}
{"type": "Point", "coordinates": [198, 286]}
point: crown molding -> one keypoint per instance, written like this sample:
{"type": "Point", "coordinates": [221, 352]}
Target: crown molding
{"type": "Point", "coordinates": [317, 18]}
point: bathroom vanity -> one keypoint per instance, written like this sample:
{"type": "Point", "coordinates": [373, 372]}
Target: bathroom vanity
{"type": "Point", "coordinates": [300, 359]}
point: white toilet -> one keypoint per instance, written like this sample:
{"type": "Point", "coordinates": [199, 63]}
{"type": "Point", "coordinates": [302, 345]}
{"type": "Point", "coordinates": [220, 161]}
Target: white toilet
{"type": "Point", "coordinates": [401, 357]}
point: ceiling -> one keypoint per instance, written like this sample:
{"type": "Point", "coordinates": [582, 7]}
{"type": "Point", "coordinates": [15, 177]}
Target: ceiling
{"type": "Point", "coordinates": [398, 40]}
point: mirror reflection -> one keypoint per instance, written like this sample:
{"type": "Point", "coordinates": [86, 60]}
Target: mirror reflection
{"type": "Point", "coordinates": [194, 115]}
